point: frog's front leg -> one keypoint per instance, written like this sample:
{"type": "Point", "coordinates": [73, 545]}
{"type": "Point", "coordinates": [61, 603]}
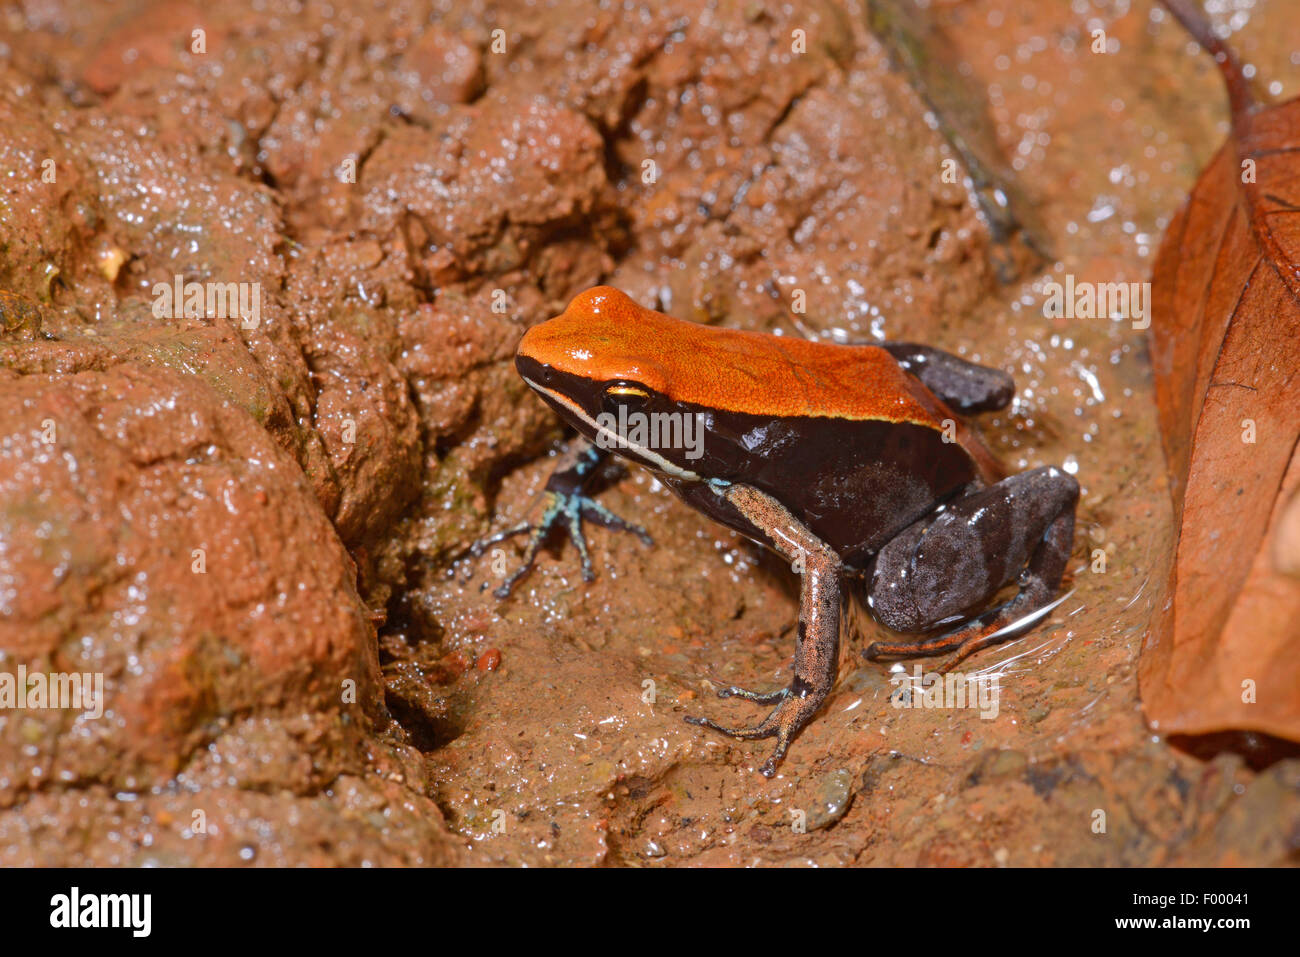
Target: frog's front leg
{"type": "Point", "coordinates": [566, 506]}
{"type": "Point", "coordinates": [954, 561]}
{"type": "Point", "coordinates": [816, 659]}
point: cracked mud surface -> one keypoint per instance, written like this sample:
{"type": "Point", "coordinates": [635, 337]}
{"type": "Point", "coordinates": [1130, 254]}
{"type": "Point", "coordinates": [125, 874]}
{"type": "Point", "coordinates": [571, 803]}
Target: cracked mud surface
{"type": "Point", "coordinates": [338, 685]}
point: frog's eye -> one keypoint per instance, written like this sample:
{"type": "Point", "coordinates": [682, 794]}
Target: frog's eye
{"type": "Point", "coordinates": [627, 395]}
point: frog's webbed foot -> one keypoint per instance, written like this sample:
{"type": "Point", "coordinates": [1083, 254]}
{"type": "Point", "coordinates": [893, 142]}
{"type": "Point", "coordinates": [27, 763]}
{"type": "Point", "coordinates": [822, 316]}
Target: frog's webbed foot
{"type": "Point", "coordinates": [796, 708]}
{"type": "Point", "coordinates": [563, 510]}
{"type": "Point", "coordinates": [816, 659]}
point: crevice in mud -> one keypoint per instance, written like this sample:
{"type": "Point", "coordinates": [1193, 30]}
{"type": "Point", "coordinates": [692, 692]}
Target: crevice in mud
{"type": "Point", "coordinates": [780, 119]}
{"type": "Point", "coordinates": [267, 179]}
{"type": "Point", "coordinates": [421, 680]}
{"type": "Point", "coordinates": [446, 442]}
{"type": "Point", "coordinates": [406, 628]}
{"type": "Point", "coordinates": [375, 142]}
{"type": "Point", "coordinates": [397, 112]}
{"type": "Point", "coordinates": [428, 731]}
{"type": "Point", "coordinates": [1260, 751]}
{"type": "Point", "coordinates": [637, 95]}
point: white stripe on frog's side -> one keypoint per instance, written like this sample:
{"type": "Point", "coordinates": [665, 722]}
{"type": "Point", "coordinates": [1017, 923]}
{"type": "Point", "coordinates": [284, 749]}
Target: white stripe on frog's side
{"type": "Point", "coordinates": [615, 440]}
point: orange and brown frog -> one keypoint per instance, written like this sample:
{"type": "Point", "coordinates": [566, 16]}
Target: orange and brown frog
{"type": "Point", "coordinates": [850, 461]}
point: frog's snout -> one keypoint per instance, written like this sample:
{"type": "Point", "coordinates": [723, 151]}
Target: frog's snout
{"type": "Point", "coordinates": [532, 371]}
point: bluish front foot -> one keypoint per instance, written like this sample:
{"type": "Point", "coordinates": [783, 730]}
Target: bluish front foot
{"type": "Point", "coordinates": [563, 510]}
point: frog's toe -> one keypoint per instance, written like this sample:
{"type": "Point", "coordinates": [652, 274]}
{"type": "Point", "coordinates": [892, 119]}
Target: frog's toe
{"type": "Point", "coordinates": [536, 532]}
{"type": "Point", "coordinates": [758, 697]}
{"type": "Point", "coordinates": [764, 729]}
{"type": "Point", "coordinates": [483, 544]}
{"type": "Point", "coordinates": [593, 511]}
{"type": "Point", "coordinates": [879, 650]}
{"type": "Point", "coordinates": [784, 722]}
{"type": "Point", "coordinates": [580, 541]}
{"type": "Point", "coordinates": [525, 566]}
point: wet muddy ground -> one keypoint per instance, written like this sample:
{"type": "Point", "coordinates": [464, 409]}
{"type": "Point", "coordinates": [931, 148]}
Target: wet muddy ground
{"type": "Point", "coordinates": [410, 191]}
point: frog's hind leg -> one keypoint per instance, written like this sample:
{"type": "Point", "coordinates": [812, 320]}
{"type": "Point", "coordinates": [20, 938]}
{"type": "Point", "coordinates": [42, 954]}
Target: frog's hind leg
{"type": "Point", "coordinates": [965, 386]}
{"type": "Point", "coordinates": [940, 568]}
{"type": "Point", "coordinates": [816, 661]}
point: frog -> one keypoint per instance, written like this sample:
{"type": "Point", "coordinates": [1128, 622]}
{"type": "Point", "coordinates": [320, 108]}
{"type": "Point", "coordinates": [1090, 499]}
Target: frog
{"type": "Point", "coordinates": [853, 462]}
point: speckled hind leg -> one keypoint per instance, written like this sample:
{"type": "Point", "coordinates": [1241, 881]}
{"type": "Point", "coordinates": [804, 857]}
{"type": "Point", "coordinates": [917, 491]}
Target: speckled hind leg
{"type": "Point", "coordinates": [816, 661]}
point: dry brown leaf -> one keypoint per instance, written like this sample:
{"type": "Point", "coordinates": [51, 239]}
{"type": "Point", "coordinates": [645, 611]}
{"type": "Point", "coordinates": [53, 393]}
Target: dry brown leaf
{"type": "Point", "coordinates": [1225, 346]}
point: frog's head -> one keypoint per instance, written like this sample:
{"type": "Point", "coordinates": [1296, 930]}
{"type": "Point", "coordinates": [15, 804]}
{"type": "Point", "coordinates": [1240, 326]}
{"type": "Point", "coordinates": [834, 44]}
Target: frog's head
{"type": "Point", "coordinates": [606, 359]}
{"type": "Point", "coordinates": [602, 351]}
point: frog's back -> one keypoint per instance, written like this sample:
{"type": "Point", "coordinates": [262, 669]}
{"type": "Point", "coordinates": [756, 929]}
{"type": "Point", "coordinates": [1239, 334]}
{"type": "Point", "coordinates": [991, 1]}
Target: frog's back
{"type": "Point", "coordinates": [751, 373]}
{"type": "Point", "coordinates": [735, 370]}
